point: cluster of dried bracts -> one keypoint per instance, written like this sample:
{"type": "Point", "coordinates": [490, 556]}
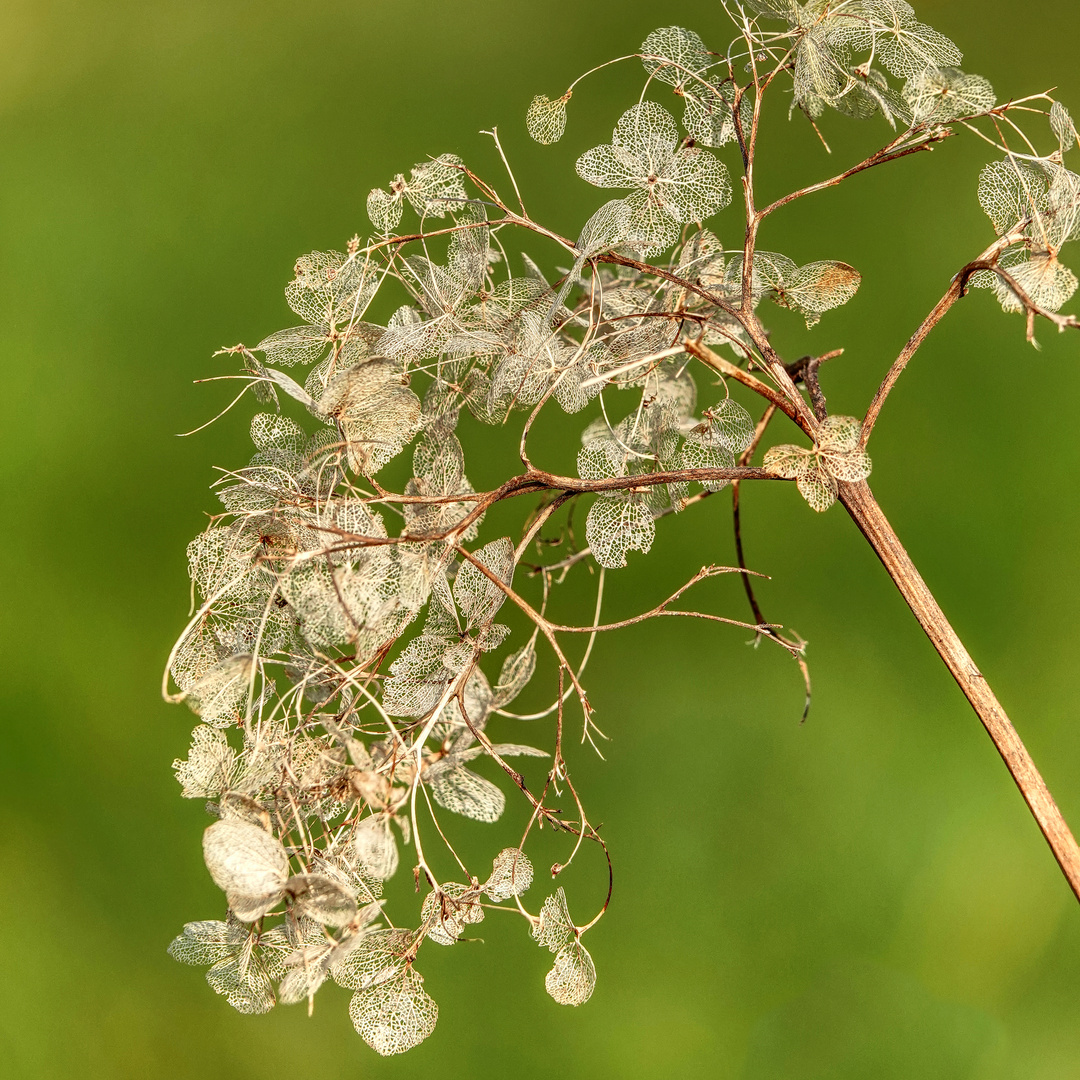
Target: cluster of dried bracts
{"type": "Point", "coordinates": [345, 656]}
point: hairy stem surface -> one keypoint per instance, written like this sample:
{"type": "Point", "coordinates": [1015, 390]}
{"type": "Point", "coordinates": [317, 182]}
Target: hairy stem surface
{"type": "Point", "coordinates": [865, 512]}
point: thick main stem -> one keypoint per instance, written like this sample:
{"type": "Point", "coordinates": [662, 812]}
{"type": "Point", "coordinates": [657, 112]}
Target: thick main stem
{"type": "Point", "coordinates": [865, 512]}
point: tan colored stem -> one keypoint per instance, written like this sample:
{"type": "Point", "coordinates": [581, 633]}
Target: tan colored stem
{"type": "Point", "coordinates": [865, 512]}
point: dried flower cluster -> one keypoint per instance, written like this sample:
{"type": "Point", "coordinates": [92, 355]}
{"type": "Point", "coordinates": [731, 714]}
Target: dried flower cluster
{"type": "Point", "coordinates": [345, 654]}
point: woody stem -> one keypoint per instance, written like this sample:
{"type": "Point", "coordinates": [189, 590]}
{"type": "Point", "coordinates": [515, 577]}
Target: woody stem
{"type": "Point", "coordinates": [859, 502]}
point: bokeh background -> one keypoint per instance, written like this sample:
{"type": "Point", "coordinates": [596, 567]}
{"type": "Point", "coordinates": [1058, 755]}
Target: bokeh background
{"type": "Point", "coordinates": [862, 896]}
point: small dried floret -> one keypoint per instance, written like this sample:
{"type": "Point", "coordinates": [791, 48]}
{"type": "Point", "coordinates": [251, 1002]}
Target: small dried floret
{"type": "Point", "coordinates": [836, 455]}
{"type": "Point", "coordinates": [243, 961]}
{"type": "Point", "coordinates": [670, 184]}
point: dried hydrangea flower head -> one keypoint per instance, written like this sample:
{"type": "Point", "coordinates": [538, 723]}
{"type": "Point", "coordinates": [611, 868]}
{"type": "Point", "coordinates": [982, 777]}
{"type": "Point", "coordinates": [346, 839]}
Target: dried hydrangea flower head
{"type": "Point", "coordinates": [355, 653]}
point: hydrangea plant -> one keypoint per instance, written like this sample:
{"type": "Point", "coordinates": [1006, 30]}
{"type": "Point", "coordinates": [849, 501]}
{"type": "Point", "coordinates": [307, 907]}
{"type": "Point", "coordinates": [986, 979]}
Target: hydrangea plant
{"type": "Point", "coordinates": [349, 654]}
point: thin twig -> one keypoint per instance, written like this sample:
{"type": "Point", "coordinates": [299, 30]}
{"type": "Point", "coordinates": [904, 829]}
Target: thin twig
{"type": "Point", "coordinates": [955, 290]}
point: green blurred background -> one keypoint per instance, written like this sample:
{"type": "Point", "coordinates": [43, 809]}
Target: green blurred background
{"type": "Point", "coordinates": [863, 896]}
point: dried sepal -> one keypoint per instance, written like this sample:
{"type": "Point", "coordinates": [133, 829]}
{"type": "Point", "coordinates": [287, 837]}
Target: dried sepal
{"type": "Point", "coordinates": [511, 875]}
{"type": "Point", "coordinates": [816, 486]}
{"type": "Point", "coordinates": [375, 847]}
{"type": "Point", "coordinates": [702, 451]}
{"type": "Point", "coordinates": [786, 460]}
{"type": "Point", "coordinates": [461, 791]}
{"type": "Point", "coordinates": [546, 118]}
{"type": "Point", "coordinates": [295, 345]}
{"type": "Point", "coordinates": [897, 39]}
{"type": "Point", "coordinates": [616, 525]}
{"type": "Point", "coordinates": [1036, 200]}
{"type": "Point", "coordinates": [676, 56]}
{"type": "Point", "coordinates": [517, 669]}
{"type": "Point", "coordinates": [1061, 124]}
{"type": "Point", "coordinates": [378, 956]}
{"type": "Point", "coordinates": [811, 289]}
{"type": "Point", "coordinates": [329, 287]}
{"type": "Point", "coordinates": [377, 413]}
{"type": "Point", "coordinates": [218, 693]}
{"type": "Point", "coordinates": [709, 115]}
{"type": "Point", "coordinates": [436, 187]}
{"type": "Point", "coordinates": [211, 766]}
{"type": "Point", "coordinates": [1010, 192]}
{"type": "Point", "coordinates": [315, 952]}
{"type": "Point", "coordinates": [478, 596]}
{"type": "Point", "coordinates": [306, 966]}
{"type": "Point", "coordinates": [787, 10]}
{"type": "Point", "coordinates": [818, 287]}
{"type": "Point", "coordinates": [572, 979]}
{"type": "Point", "coordinates": [1046, 282]}
{"type": "Point", "coordinates": [236, 806]}
{"type": "Point", "coordinates": [731, 425]}
{"type": "Point", "coordinates": [608, 227]}
{"type": "Point", "coordinates": [942, 95]}
{"type": "Point", "coordinates": [322, 899]}
{"type": "Point", "coordinates": [554, 928]}
{"type": "Point", "coordinates": [839, 434]}
{"type": "Point", "coordinates": [395, 1015]}
{"type": "Point", "coordinates": [302, 981]}
{"type": "Point", "coordinates": [384, 210]}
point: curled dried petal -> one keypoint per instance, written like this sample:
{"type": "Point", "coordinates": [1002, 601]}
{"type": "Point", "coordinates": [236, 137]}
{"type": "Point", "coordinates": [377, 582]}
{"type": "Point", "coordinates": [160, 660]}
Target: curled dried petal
{"type": "Point", "coordinates": [511, 875]}
{"type": "Point", "coordinates": [322, 899]}
{"type": "Point", "coordinates": [248, 863]}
